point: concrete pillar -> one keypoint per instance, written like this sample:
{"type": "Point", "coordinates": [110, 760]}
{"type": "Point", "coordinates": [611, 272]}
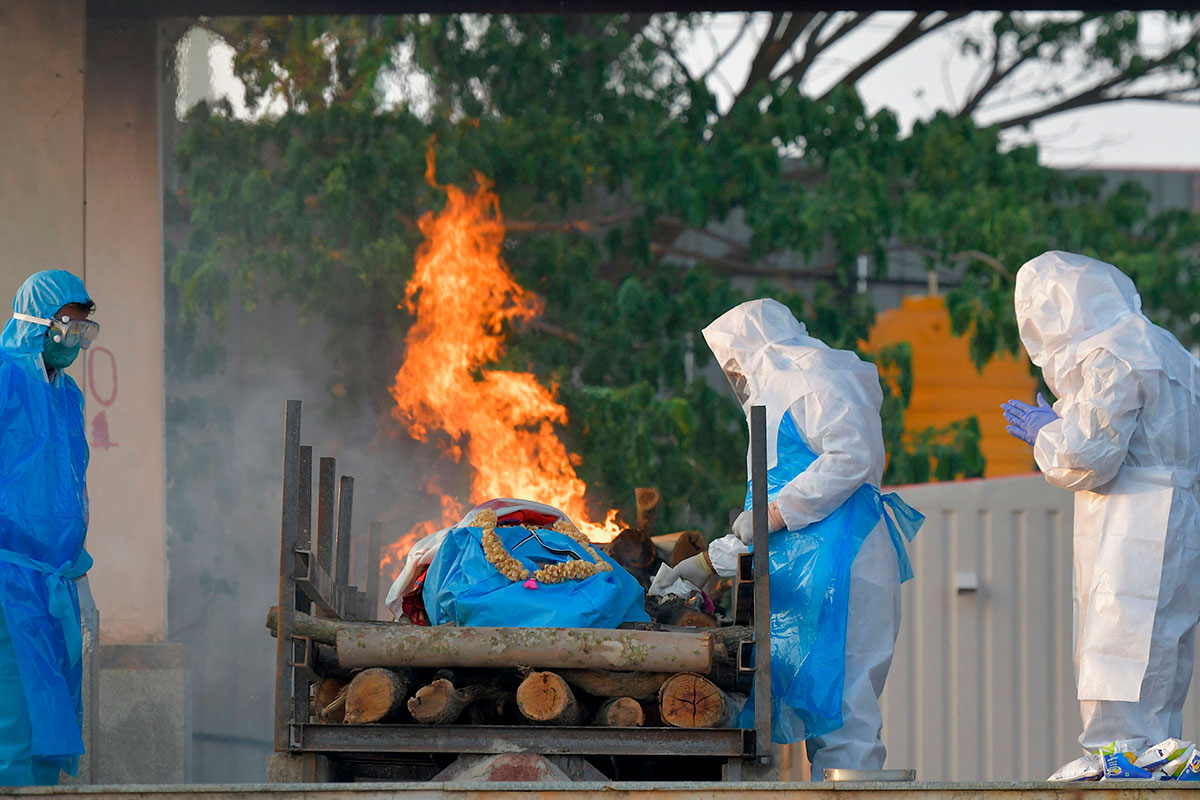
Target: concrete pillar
{"type": "Point", "coordinates": [41, 137]}
{"type": "Point", "coordinates": [123, 375]}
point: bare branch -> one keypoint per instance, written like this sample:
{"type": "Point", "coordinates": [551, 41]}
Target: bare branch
{"type": "Point", "coordinates": [1090, 99]}
{"type": "Point", "coordinates": [581, 225]}
{"type": "Point", "coordinates": [903, 38]}
{"type": "Point", "coordinates": [1109, 89]}
{"type": "Point", "coordinates": [773, 49]}
{"type": "Point", "coordinates": [813, 47]}
{"type": "Point", "coordinates": [747, 24]}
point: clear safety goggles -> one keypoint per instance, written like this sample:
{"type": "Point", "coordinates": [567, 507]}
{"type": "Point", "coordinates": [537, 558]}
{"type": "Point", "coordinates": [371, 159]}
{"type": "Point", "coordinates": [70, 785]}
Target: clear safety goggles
{"type": "Point", "coordinates": [737, 380]}
{"type": "Point", "coordinates": [66, 331]}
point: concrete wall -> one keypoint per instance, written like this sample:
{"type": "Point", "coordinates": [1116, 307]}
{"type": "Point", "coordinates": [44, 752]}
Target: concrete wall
{"type": "Point", "coordinates": [124, 383]}
{"type": "Point", "coordinates": [41, 137]}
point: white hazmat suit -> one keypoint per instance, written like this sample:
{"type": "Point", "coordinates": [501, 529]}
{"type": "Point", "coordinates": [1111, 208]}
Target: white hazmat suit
{"type": "Point", "coordinates": [833, 398]}
{"type": "Point", "coordinates": [1127, 442]}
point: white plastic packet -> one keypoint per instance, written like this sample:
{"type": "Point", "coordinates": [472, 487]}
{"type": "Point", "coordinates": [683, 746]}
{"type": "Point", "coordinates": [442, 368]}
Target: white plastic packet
{"type": "Point", "coordinates": [1085, 768]}
{"type": "Point", "coordinates": [1160, 754]}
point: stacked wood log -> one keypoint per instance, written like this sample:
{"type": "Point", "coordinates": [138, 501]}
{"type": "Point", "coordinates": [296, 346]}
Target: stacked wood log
{"type": "Point", "coordinates": [376, 695]}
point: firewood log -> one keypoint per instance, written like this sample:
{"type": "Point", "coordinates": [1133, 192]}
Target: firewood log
{"type": "Point", "coordinates": [376, 694]}
{"type": "Point", "coordinates": [545, 698]}
{"type": "Point", "coordinates": [604, 683]}
{"type": "Point", "coordinates": [329, 699]}
{"type": "Point", "coordinates": [440, 703]}
{"type": "Point", "coordinates": [632, 549]}
{"type": "Point", "coordinates": [687, 545]}
{"type": "Point", "coordinates": [619, 712]}
{"type": "Point", "coordinates": [676, 612]}
{"type": "Point", "coordinates": [688, 700]}
{"type": "Point", "coordinates": [634, 646]}
{"type": "Point", "coordinates": [647, 500]}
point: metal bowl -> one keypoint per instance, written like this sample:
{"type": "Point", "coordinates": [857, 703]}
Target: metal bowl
{"type": "Point", "coordinates": [870, 775]}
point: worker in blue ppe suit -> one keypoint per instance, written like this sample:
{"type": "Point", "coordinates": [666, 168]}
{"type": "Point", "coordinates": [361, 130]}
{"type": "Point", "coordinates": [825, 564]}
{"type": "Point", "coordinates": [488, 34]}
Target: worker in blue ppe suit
{"type": "Point", "coordinates": [1124, 436]}
{"type": "Point", "coordinates": [43, 520]}
{"type": "Point", "coordinates": [838, 553]}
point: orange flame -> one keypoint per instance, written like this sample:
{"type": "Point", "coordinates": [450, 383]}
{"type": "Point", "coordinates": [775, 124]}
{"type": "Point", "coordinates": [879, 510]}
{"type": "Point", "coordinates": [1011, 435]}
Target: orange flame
{"type": "Point", "coordinates": [502, 422]}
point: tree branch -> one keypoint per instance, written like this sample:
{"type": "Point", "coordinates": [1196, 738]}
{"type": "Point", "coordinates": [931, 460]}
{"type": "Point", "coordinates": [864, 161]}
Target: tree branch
{"type": "Point", "coordinates": [903, 38]}
{"type": "Point", "coordinates": [1083, 101]}
{"type": "Point", "coordinates": [747, 23]}
{"type": "Point", "coordinates": [814, 48]}
{"type": "Point", "coordinates": [772, 49]}
{"type": "Point", "coordinates": [1098, 94]}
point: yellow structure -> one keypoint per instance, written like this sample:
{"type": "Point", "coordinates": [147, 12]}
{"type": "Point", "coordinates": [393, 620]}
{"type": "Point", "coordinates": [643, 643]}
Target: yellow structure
{"type": "Point", "coordinates": [947, 386]}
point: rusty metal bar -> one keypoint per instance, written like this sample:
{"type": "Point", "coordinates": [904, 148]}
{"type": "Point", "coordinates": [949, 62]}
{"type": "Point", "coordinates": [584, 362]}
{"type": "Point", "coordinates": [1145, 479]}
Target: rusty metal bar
{"type": "Point", "coordinates": [326, 502]}
{"type": "Point", "coordinates": [743, 590]}
{"type": "Point", "coordinates": [762, 582]}
{"type": "Point", "coordinates": [305, 512]}
{"type": "Point", "coordinates": [319, 587]}
{"type": "Point", "coordinates": [284, 683]}
{"type": "Point", "coordinates": [374, 546]}
{"type": "Point", "coordinates": [341, 572]}
{"type": "Point", "coordinates": [329, 738]}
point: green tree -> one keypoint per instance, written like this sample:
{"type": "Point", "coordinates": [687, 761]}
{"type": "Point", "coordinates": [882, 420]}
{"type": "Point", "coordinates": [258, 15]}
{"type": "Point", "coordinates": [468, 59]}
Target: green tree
{"type": "Point", "coordinates": [620, 174]}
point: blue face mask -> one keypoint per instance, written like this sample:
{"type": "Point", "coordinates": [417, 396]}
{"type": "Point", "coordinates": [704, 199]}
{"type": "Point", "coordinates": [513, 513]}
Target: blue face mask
{"type": "Point", "coordinates": [57, 355]}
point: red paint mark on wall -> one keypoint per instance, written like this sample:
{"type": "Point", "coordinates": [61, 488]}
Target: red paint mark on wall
{"type": "Point", "coordinates": [105, 394]}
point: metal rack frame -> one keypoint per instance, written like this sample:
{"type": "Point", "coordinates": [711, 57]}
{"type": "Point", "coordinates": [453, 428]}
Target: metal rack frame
{"type": "Point", "coordinates": [319, 576]}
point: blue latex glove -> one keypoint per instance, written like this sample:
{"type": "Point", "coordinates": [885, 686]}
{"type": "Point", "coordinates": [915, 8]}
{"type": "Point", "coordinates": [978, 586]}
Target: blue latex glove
{"type": "Point", "coordinates": [1024, 420]}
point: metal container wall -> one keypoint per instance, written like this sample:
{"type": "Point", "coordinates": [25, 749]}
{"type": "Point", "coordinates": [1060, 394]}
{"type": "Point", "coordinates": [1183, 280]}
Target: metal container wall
{"type": "Point", "coordinates": [982, 686]}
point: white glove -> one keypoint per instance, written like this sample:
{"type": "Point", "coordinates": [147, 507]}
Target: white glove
{"type": "Point", "coordinates": [695, 570]}
{"type": "Point", "coordinates": [743, 526]}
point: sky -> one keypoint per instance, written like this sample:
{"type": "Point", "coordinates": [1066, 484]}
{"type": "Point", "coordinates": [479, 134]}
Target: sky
{"type": "Point", "coordinates": [934, 74]}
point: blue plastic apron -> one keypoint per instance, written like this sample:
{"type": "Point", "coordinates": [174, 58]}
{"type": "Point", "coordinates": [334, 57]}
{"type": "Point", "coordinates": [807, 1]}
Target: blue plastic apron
{"type": "Point", "coordinates": [43, 521]}
{"type": "Point", "coordinates": [810, 583]}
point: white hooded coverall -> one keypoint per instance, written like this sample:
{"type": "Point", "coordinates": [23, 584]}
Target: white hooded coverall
{"type": "Point", "coordinates": [1127, 442]}
{"type": "Point", "coordinates": [834, 399]}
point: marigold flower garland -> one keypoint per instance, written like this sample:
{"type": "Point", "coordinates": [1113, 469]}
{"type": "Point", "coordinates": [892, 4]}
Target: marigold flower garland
{"type": "Point", "coordinates": [508, 566]}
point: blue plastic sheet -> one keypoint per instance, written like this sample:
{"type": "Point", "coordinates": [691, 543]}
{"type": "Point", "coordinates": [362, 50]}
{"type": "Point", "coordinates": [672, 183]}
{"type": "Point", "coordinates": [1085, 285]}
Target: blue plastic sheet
{"type": "Point", "coordinates": [43, 521]}
{"type": "Point", "coordinates": [810, 579]}
{"type": "Point", "coordinates": [462, 587]}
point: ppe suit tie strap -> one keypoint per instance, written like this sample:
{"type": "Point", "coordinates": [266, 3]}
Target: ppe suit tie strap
{"type": "Point", "coordinates": [903, 522]}
{"type": "Point", "coordinates": [1178, 478]}
{"type": "Point", "coordinates": [60, 605]}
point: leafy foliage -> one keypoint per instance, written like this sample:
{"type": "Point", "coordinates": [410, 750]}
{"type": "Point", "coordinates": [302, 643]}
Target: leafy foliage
{"type": "Point", "coordinates": [619, 176]}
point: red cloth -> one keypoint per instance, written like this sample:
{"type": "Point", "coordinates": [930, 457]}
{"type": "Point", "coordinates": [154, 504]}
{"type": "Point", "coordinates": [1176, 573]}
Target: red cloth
{"type": "Point", "coordinates": [528, 516]}
{"type": "Point", "coordinates": [412, 605]}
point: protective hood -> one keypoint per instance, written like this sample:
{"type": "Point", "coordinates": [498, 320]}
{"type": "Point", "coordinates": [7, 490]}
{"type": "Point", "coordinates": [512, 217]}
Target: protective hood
{"type": "Point", "coordinates": [40, 295]}
{"type": "Point", "coordinates": [1069, 305]}
{"type": "Point", "coordinates": [781, 363]}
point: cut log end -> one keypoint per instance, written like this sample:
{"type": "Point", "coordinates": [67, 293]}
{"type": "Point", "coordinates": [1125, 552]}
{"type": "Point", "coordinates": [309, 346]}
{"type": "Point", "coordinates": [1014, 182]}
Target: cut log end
{"type": "Point", "coordinates": [620, 712]}
{"type": "Point", "coordinates": [545, 698]}
{"type": "Point", "coordinates": [647, 500]}
{"type": "Point", "coordinates": [329, 699]}
{"type": "Point", "coordinates": [691, 701]}
{"type": "Point", "coordinates": [375, 695]}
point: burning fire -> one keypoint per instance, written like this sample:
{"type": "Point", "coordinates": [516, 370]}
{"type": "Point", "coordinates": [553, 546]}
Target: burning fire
{"type": "Point", "coordinates": [501, 422]}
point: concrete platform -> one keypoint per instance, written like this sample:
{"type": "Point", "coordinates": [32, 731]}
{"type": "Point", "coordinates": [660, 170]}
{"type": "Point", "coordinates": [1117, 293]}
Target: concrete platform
{"type": "Point", "coordinates": [1127, 790]}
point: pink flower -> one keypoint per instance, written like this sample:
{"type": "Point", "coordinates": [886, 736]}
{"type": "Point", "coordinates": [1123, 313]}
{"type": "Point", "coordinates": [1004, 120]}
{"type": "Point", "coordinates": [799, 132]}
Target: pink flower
{"type": "Point", "coordinates": [530, 584]}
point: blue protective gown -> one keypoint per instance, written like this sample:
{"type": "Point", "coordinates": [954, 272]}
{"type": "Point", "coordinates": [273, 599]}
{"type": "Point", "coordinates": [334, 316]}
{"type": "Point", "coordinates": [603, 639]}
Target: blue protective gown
{"type": "Point", "coordinates": [810, 593]}
{"type": "Point", "coordinates": [43, 521]}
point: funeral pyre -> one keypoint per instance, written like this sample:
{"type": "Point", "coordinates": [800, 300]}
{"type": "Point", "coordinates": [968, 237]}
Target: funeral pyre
{"type": "Point", "coordinates": [515, 611]}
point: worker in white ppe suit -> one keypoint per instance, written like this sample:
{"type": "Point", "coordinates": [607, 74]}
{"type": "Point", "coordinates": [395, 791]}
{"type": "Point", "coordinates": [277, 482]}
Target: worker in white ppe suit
{"type": "Point", "coordinates": [837, 546]}
{"type": "Point", "coordinates": [1124, 435]}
